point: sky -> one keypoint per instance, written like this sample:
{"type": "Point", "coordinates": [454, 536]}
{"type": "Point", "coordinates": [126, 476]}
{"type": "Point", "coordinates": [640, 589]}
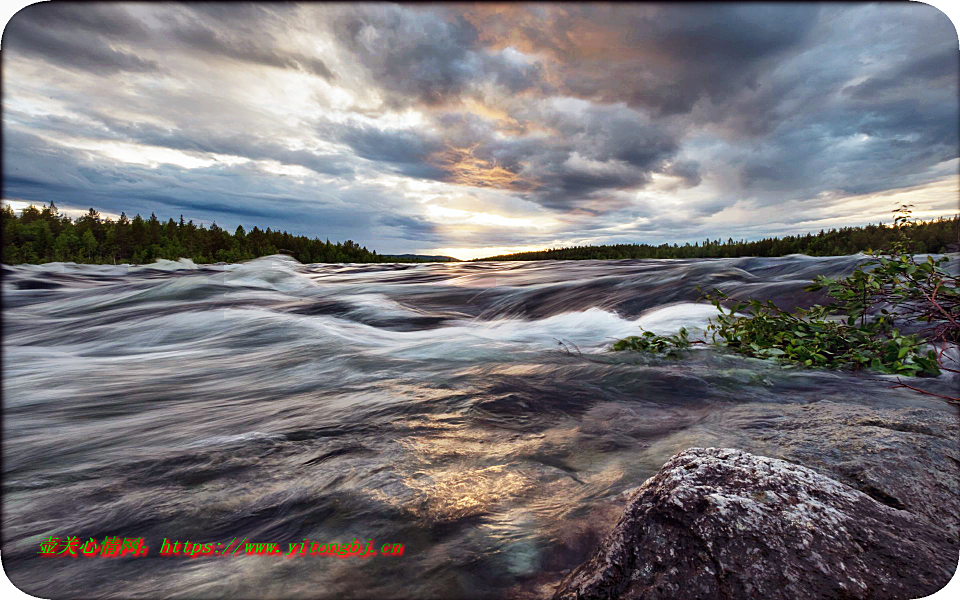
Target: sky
{"type": "Point", "coordinates": [474, 130]}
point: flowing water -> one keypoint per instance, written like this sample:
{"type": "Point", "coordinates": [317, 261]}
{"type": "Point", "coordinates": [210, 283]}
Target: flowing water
{"type": "Point", "coordinates": [471, 411]}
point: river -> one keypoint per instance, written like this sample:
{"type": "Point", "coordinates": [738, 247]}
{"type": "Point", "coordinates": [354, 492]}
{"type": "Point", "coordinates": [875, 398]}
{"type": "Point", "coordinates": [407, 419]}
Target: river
{"type": "Point", "coordinates": [471, 411]}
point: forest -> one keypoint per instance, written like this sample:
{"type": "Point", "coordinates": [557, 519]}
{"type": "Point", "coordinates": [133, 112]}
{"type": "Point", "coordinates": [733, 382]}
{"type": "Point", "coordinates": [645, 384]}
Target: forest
{"type": "Point", "coordinates": [40, 235]}
{"type": "Point", "coordinates": [933, 236]}
{"type": "Point", "coordinates": [46, 235]}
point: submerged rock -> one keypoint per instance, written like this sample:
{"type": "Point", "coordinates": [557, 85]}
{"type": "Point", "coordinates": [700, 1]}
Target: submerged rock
{"type": "Point", "coordinates": [722, 523]}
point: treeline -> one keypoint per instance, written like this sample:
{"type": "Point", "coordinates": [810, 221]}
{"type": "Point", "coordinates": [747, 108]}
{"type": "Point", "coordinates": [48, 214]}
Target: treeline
{"type": "Point", "coordinates": [41, 235]}
{"type": "Point", "coordinates": [46, 235]}
{"type": "Point", "coordinates": [934, 236]}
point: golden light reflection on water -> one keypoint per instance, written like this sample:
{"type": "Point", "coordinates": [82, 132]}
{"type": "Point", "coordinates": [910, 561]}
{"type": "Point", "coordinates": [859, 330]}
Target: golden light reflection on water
{"type": "Point", "coordinates": [524, 369]}
{"type": "Point", "coordinates": [456, 471]}
{"type": "Point", "coordinates": [454, 443]}
{"type": "Point", "coordinates": [451, 494]}
{"type": "Point", "coordinates": [445, 482]}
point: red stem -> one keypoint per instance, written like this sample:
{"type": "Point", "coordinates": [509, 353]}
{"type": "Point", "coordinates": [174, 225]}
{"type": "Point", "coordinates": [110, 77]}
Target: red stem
{"type": "Point", "coordinates": [950, 399]}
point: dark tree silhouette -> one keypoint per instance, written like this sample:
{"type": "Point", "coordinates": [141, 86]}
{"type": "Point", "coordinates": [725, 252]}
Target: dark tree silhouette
{"type": "Point", "coordinates": [38, 236]}
{"type": "Point", "coordinates": [46, 235]}
{"type": "Point", "coordinates": [934, 236]}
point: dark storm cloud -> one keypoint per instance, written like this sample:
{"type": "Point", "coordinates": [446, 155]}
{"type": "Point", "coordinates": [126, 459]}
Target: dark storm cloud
{"type": "Point", "coordinates": [687, 170]}
{"type": "Point", "coordinates": [713, 51]}
{"type": "Point", "coordinates": [924, 70]}
{"type": "Point", "coordinates": [577, 183]}
{"type": "Point", "coordinates": [855, 112]}
{"type": "Point", "coordinates": [410, 227]}
{"type": "Point", "coordinates": [246, 16]}
{"type": "Point", "coordinates": [255, 49]}
{"type": "Point", "coordinates": [85, 36]}
{"type": "Point", "coordinates": [77, 35]}
{"type": "Point", "coordinates": [244, 32]}
{"type": "Point", "coordinates": [424, 57]}
{"type": "Point", "coordinates": [621, 135]}
{"type": "Point", "coordinates": [590, 114]}
{"type": "Point", "coordinates": [403, 146]}
{"type": "Point", "coordinates": [663, 58]}
{"type": "Point", "coordinates": [98, 19]}
{"type": "Point", "coordinates": [405, 152]}
{"type": "Point", "coordinates": [884, 132]}
{"type": "Point", "coordinates": [596, 148]}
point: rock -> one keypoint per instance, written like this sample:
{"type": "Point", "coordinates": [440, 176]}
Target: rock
{"type": "Point", "coordinates": [722, 523]}
{"type": "Point", "coordinates": [905, 457]}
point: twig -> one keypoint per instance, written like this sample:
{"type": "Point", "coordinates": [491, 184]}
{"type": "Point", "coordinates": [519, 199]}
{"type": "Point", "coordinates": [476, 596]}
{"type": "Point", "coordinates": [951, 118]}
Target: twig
{"type": "Point", "coordinates": [901, 384]}
{"type": "Point", "coordinates": [567, 350]}
{"type": "Point", "coordinates": [933, 301]}
{"type": "Point", "coordinates": [950, 399]}
{"type": "Point", "coordinates": [943, 349]}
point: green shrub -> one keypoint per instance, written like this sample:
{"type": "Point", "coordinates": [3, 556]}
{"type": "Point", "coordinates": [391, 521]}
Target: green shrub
{"type": "Point", "coordinates": [858, 330]}
{"type": "Point", "coordinates": [655, 344]}
{"type": "Point", "coordinates": [812, 338]}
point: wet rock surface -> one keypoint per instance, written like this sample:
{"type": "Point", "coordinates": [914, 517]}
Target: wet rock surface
{"type": "Point", "coordinates": [905, 457]}
{"type": "Point", "coordinates": [723, 523]}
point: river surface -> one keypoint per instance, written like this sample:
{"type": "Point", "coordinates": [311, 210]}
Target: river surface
{"type": "Point", "coordinates": [471, 411]}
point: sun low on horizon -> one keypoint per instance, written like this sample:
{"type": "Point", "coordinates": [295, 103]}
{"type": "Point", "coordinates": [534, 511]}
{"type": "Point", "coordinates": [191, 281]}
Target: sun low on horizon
{"type": "Point", "coordinates": [478, 130]}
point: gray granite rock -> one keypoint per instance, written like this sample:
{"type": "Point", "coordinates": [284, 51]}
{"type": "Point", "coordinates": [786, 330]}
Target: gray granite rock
{"type": "Point", "coordinates": [907, 458]}
{"type": "Point", "coordinates": [723, 523]}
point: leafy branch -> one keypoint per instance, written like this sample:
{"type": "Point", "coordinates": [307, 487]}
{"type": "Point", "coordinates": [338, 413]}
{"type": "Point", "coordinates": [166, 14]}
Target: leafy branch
{"type": "Point", "coordinates": [858, 330]}
{"type": "Point", "coordinates": [671, 345]}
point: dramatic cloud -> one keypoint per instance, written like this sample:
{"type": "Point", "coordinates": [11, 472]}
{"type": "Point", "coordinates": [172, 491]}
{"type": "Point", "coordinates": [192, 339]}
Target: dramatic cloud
{"type": "Point", "coordinates": [244, 48]}
{"type": "Point", "coordinates": [477, 129]}
{"type": "Point", "coordinates": [420, 58]}
{"type": "Point", "coordinates": [79, 37]}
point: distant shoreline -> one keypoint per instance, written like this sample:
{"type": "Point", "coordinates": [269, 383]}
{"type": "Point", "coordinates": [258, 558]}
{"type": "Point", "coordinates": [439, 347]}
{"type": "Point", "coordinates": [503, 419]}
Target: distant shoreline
{"type": "Point", "coordinates": [928, 237]}
{"type": "Point", "coordinates": [44, 235]}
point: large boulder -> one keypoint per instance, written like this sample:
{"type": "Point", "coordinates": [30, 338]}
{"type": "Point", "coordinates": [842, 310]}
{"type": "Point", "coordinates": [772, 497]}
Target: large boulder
{"type": "Point", "coordinates": [906, 458]}
{"type": "Point", "coordinates": [722, 523]}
